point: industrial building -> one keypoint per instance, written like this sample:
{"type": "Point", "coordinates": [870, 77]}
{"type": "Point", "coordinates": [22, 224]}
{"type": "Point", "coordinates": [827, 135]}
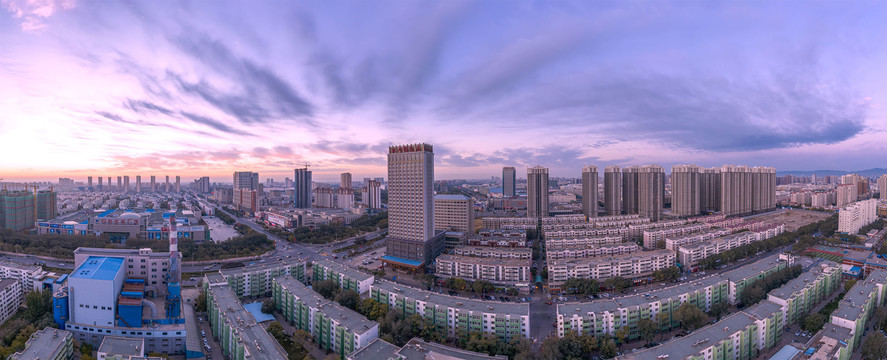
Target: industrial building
{"type": "Point", "coordinates": [332, 326]}
{"type": "Point", "coordinates": [120, 225]}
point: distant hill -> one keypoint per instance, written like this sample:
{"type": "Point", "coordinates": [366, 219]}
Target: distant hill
{"type": "Point", "coordinates": [876, 172]}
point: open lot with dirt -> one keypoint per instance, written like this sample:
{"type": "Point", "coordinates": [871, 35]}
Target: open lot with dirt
{"type": "Point", "coordinates": [792, 218]}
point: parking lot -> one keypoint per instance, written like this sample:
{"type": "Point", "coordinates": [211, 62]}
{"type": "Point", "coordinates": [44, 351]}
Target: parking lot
{"type": "Point", "coordinates": [218, 230]}
{"type": "Point", "coordinates": [370, 259]}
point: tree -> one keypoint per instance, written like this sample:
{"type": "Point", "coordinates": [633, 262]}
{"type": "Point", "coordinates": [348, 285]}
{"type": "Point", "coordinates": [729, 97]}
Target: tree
{"type": "Point", "coordinates": [581, 286]}
{"type": "Point", "coordinates": [814, 322]}
{"type": "Point", "coordinates": [372, 309]}
{"type": "Point", "coordinates": [620, 335]}
{"type": "Point", "coordinates": [617, 283]}
{"type": "Point", "coordinates": [690, 316]}
{"type": "Point", "coordinates": [200, 303]}
{"type": "Point", "coordinates": [455, 284]}
{"type": "Point", "coordinates": [718, 309]}
{"type": "Point", "coordinates": [879, 317]}
{"type": "Point", "coordinates": [483, 287]}
{"type": "Point", "coordinates": [349, 299]}
{"type": "Point", "coordinates": [550, 349]}
{"type": "Point", "coordinates": [664, 321]}
{"type": "Point", "coordinates": [428, 279]}
{"type": "Point", "coordinates": [608, 349]}
{"type": "Point", "coordinates": [38, 304]}
{"type": "Point", "coordinates": [849, 285]}
{"type": "Point", "coordinates": [268, 306]}
{"type": "Point", "coordinates": [570, 347]}
{"type": "Point", "coordinates": [875, 347]}
{"type": "Point", "coordinates": [327, 288]}
{"type": "Point", "coordinates": [648, 329]}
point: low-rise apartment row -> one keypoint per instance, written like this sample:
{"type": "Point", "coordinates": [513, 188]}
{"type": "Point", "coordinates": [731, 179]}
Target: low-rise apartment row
{"type": "Point", "coordinates": [690, 255]}
{"type": "Point", "coordinates": [508, 272]}
{"type": "Point", "coordinates": [332, 326]}
{"type": "Point", "coordinates": [240, 336]}
{"type": "Point", "coordinates": [606, 316]}
{"type": "Point", "coordinates": [346, 277]}
{"type": "Point", "coordinates": [494, 252]}
{"type": "Point", "coordinates": [584, 251]}
{"type": "Point", "coordinates": [583, 241]}
{"type": "Point", "coordinates": [672, 242]}
{"type": "Point", "coordinates": [417, 349]}
{"type": "Point", "coordinates": [858, 305]}
{"type": "Point", "coordinates": [256, 280]}
{"type": "Point", "coordinates": [800, 295]}
{"type": "Point", "coordinates": [627, 266]}
{"type": "Point", "coordinates": [455, 315]}
{"type": "Point", "coordinates": [651, 238]}
{"type": "Point", "coordinates": [498, 238]}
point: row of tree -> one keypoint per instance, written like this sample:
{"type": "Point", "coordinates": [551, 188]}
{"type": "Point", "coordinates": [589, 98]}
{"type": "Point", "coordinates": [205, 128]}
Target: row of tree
{"type": "Point", "coordinates": [757, 291]}
{"type": "Point", "coordinates": [17, 330]}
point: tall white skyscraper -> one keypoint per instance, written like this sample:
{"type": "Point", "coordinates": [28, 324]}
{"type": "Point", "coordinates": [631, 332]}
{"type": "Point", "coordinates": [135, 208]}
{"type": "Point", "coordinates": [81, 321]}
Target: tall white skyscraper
{"type": "Point", "coordinates": [411, 238]}
{"type": "Point", "coordinates": [537, 192]}
{"type": "Point", "coordinates": [589, 191]}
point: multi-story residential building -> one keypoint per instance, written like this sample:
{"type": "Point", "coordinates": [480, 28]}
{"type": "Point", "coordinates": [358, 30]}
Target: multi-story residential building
{"type": "Point", "coordinates": [30, 276]}
{"type": "Point", "coordinates": [845, 194]}
{"type": "Point", "coordinates": [584, 251]}
{"type": "Point", "coordinates": [412, 241]}
{"type": "Point", "coordinates": [239, 335]}
{"type": "Point", "coordinates": [16, 210]}
{"type": "Point", "coordinates": [47, 344]}
{"type": "Point", "coordinates": [630, 190]}
{"type": "Point", "coordinates": [859, 303]}
{"type": "Point", "coordinates": [735, 337]}
{"type": "Point", "coordinates": [831, 343]}
{"type": "Point", "coordinates": [456, 315]}
{"type": "Point", "coordinates": [747, 190]}
{"type": "Point", "coordinates": [10, 298]}
{"type": "Point", "coordinates": [418, 349]}
{"type": "Point", "coordinates": [770, 320]}
{"type": "Point", "coordinates": [510, 272]}
{"type": "Point", "coordinates": [636, 231]}
{"type": "Point", "coordinates": [821, 199]}
{"type": "Point", "coordinates": [371, 195]}
{"type": "Point", "coordinates": [245, 200]}
{"type": "Point", "coordinates": [509, 181]}
{"type": "Point", "coordinates": [882, 187]}
{"type": "Point", "coordinates": [344, 198]}
{"type": "Point", "coordinates": [710, 189]}
{"type": "Point", "coordinates": [453, 213]}
{"type": "Point", "coordinates": [537, 192]}
{"type": "Point", "coordinates": [672, 243]}
{"type": "Point", "coordinates": [655, 238]}
{"type": "Point", "coordinates": [494, 252]}
{"type": "Point", "coordinates": [203, 185]}
{"type": "Point", "coordinates": [685, 190]}
{"type": "Point", "coordinates": [153, 183]}
{"type": "Point", "coordinates": [256, 280]}
{"type": "Point", "coordinates": [651, 191]}
{"type": "Point", "coordinates": [332, 326]}
{"type": "Point", "coordinates": [123, 348]}
{"type": "Point", "coordinates": [589, 191]}
{"type": "Point", "coordinates": [499, 238]}
{"type": "Point", "coordinates": [854, 216]}
{"type": "Point", "coordinates": [690, 255]}
{"type": "Point", "coordinates": [583, 241]}
{"type": "Point", "coordinates": [800, 295]}
{"type": "Point", "coordinates": [242, 180]}
{"type": "Point", "coordinates": [627, 266]}
{"type": "Point", "coordinates": [345, 180]}
{"type": "Point", "coordinates": [346, 277]}
{"type": "Point", "coordinates": [612, 190]}
{"type": "Point", "coordinates": [606, 316]}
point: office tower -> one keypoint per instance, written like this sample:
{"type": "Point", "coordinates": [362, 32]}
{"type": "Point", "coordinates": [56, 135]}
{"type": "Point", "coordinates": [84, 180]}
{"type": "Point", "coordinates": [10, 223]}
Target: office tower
{"type": "Point", "coordinates": [119, 184]}
{"type": "Point", "coordinates": [100, 183]}
{"type": "Point", "coordinates": [509, 178]}
{"type": "Point", "coordinates": [710, 189]}
{"type": "Point", "coordinates": [882, 186]}
{"type": "Point", "coordinates": [178, 184]}
{"type": "Point", "coordinates": [203, 185]}
{"type": "Point", "coordinates": [411, 237]}
{"type": "Point", "coordinates": [246, 180]}
{"type": "Point", "coordinates": [345, 180]}
{"type": "Point", "coordinates": [651, 191]}
{"type": "Point", "coordinates": [372, 197]}
{"type": "Point", "coordinates": [138, 183]}
{"type": "Point", "coordinates": [612, 190]}
{"type": "Point", "coordinates": [89, 183]}
{"type": "Point", "coordinates": [454, 213]}
{"type": "Point", "coordinates": [153, 183]}
{"type": "Point", "coordinates": [589, 191]}
{"type": "Point", "coordinates": [630, 190]}
{"type": "Point", "coordinates": [166, 185]}
{"type": "Point", "coordinates": [302, 187]}
{"type": "Point", "coordinates": [685, 190]}
{"type": "Point", "coordinates": [537, 192]}
{"type": "Point", "coordinates": [344, 198]}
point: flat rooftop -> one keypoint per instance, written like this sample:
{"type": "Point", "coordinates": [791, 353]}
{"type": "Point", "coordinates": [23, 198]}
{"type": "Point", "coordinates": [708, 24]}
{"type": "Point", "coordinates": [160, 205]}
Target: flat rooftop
{"type": "Point", "coordinates": [375, 350]}
{"type": "Point", "coordinates": [763, 309]}
{"type": "Point", "coordinates": [451, 197]}
{"type": "Point", "coordinates": [521, 250]}
{"type": "Point", "coordinates": [852, 305]}
{"type": "Point", "coordinates": [498, 307]}
{"type": "Point", "coordinates": [253, 336]}
{"type": "Point", "coordinates": [5, 283]}
{"type": "Point", "coordinates": [15, 265]}
{"type": "Point", "coordinates": [693, 344]}
{"type": "Point", "coordinates": [609, 258]}
{"type": "Point", "coordinates": [98, 268]}
{"type": "Point", "coordinates": [119, 345]}
{"type": "Point", "coordinates": [348, 318]}
{"type": "Point", "coordinates": [794, 285]}
{"type": "Point", "coordinates": [43, 344]}
{"type": "Point", "coordinates": [418, 349]}
{"type": "Point", "coordinates": [341, 269]}
{"type": "Point", "coordinates": [264, 266]}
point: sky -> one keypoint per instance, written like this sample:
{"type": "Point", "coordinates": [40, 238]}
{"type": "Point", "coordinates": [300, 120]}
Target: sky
{"type": "Point", "coordinates": [205, 88]}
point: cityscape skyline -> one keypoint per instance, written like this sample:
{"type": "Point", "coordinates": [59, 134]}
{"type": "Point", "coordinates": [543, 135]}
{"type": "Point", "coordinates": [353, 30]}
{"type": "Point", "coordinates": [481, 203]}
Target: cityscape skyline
{"type": "Point", "coordinates": [95, 89]}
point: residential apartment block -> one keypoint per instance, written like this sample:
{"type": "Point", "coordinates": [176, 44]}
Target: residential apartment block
{"type": "Point", "coordinates": [455, 315]}
{"type": "Point", "coordinates": [454, 213]}
{"type": "Point", "coordinates": [800, 295]}
{"type": "Point", "coordinates": [691, 254]}
{"type": "Point", "coordinates": [47, 344]}
{"type": "Point", "coordinates": [256, 280]}
{"type": "Point", "coordinates": [494, 252]}
{"type": "Point", "coordinates": [627, 266]}
{"type": "Point", "coordinates": [10, 298]}
{"type": "Point", "coordinates": [857, 215]}
{"type": "Point", "coordinates": [583, 251]}
{"type": "Point", "coordinates": [346, 277]}
{"type": "Point", "coordinates": [673, 242]}
{"type": "Point", "coordinates": [555, 242]}
{"type": "Point", "coordinates": [510, 272]}
{"type": "Point", "coordinates": [858, 305]}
